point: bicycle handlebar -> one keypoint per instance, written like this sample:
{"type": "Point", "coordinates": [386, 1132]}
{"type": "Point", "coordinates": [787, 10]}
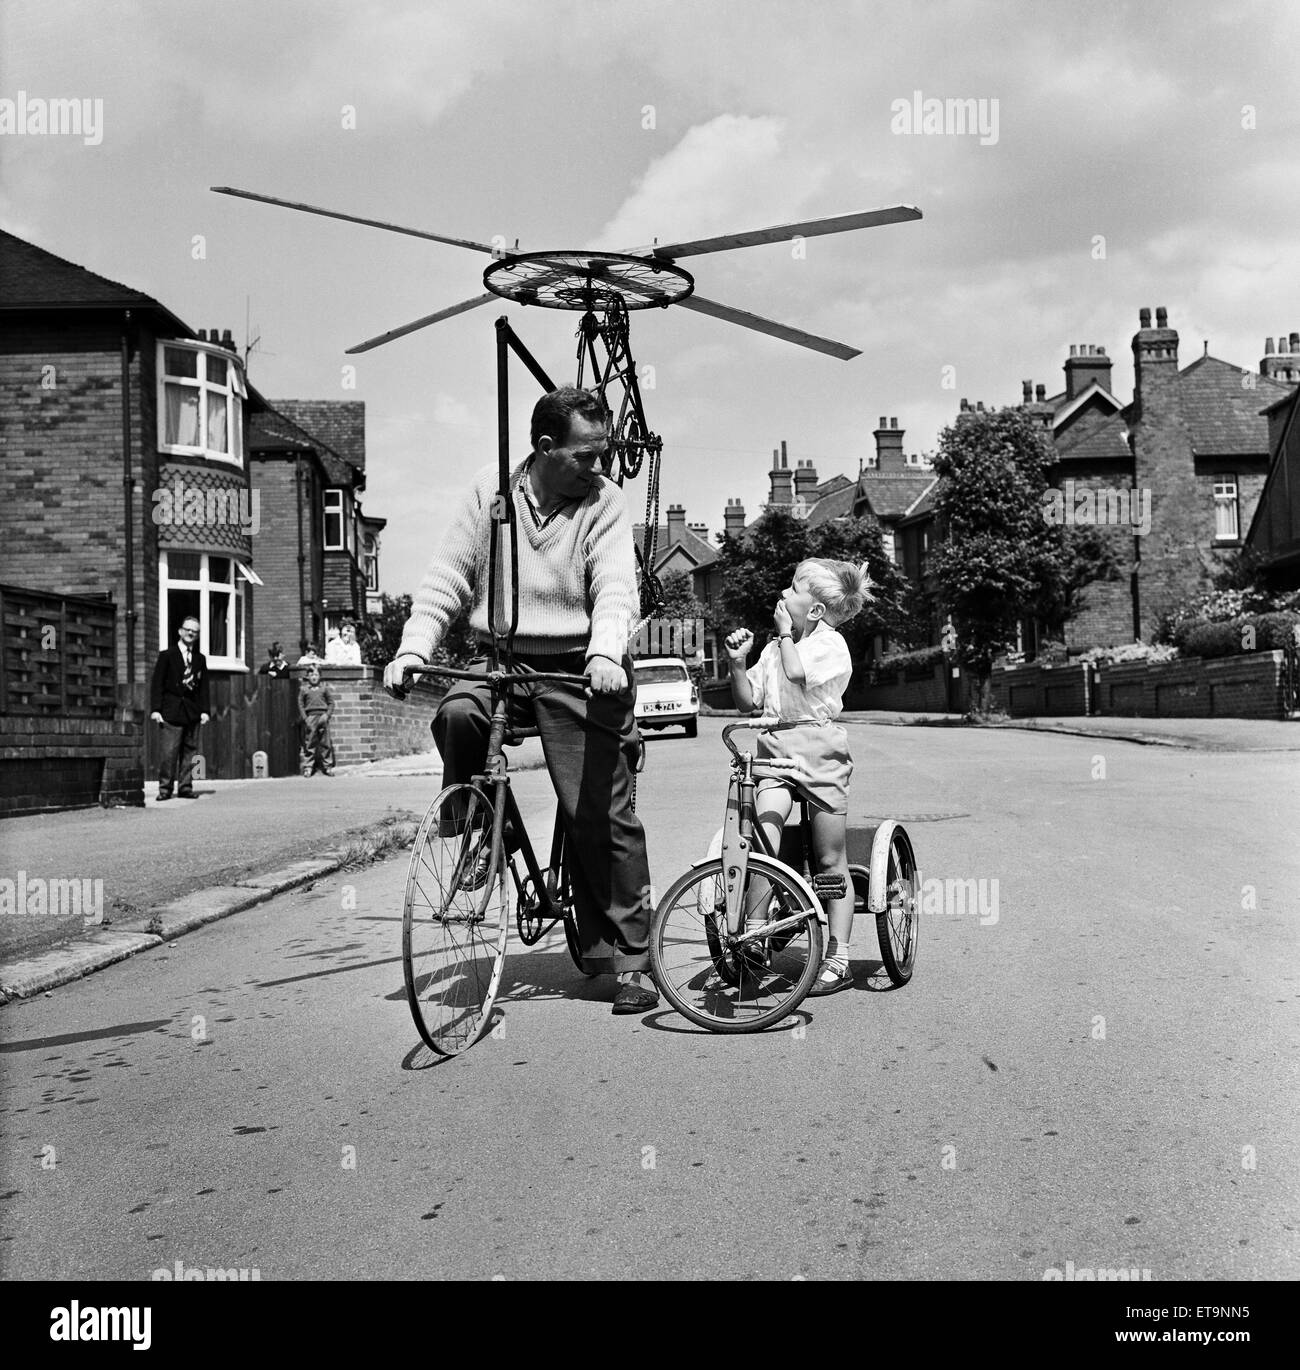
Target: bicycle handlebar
{"type": "Point", "coordinates": [761, 725]}
{"type": "Point", "coordinates": [492, 677]}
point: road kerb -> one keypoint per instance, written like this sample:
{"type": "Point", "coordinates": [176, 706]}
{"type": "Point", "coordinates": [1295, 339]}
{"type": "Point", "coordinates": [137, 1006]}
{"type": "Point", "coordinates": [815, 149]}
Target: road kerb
{"type": "Point", "coordinates": [60, 965]}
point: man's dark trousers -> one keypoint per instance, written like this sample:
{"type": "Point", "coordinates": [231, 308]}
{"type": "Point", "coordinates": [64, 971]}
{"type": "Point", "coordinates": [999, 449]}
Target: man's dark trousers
{"type": "Point", "coordinates": [585, 742]}
{"type": "Point", "coordinates": [174, 739]}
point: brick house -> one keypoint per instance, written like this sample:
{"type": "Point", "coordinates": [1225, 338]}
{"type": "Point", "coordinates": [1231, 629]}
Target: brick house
{"type": "Point", "coordinates": [1192, 447]}
{"type": "Point", "coordinates": [320, 553]}
{"type": "Point", "coordinates": [125, 477]}
{"type": "Point", "coordinates": [125, 485]}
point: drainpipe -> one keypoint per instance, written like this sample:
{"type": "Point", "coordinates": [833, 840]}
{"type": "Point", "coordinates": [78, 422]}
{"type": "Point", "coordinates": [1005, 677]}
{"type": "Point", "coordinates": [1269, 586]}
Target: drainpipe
{"type": "Point", "coordinates": [128, 498]}
{"type": "Point", "coordinates": [302, 556]}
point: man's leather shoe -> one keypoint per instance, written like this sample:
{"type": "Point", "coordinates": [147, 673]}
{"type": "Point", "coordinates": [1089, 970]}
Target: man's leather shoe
{"type": "Point", "coordinates": [161, 797]}
{"type": "Point", "coordinates": [186, 794]}
{"type": "Point", "coordinates": [632, 997]}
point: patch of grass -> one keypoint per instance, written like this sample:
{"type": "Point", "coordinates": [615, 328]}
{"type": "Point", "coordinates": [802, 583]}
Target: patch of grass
{"type": "Point", "coordinates": [395, 833]}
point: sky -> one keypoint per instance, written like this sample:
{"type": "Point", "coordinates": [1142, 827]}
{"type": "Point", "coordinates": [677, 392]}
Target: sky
{"type": "Point", "coordinates": [1145, 154]}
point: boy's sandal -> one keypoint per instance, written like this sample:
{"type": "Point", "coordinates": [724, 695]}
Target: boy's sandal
{"type": "Point", "coordinates": [831, 981]}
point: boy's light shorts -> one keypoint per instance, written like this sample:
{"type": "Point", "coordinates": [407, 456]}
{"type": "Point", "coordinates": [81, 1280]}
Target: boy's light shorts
{"type": "Point", "coordinates": [823, 750]}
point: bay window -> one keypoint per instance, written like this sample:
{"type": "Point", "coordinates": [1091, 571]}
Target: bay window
{"type": "Point", "coordinates": [201, 395]}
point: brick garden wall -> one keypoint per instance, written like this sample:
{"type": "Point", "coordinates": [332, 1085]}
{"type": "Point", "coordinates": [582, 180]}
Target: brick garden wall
{"type": "Point", "coordinates": [926, 693]}
{"type": "Point", "coordinates": [69, 763]}
{"type": "Point", "coordinates": [1247, 686]}
{"type": "Point", "coordinates": [1034, 691]}
{"type": "Point", "coordinates": [368, 724]}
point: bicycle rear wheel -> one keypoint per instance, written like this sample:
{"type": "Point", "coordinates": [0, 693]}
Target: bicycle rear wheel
{"type": "Point", "coordinates": [454, 921]}
{"type": "Point", "coordinates": [726, 988]}
{"type": "Point", "coordinates": [898, 925]}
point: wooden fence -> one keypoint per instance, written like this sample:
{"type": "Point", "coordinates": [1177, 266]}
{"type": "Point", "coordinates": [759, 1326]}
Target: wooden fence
{"type": "Point", "coordinates": [56, 654]}
{"type": "Point", "coordinates": [249, 713]}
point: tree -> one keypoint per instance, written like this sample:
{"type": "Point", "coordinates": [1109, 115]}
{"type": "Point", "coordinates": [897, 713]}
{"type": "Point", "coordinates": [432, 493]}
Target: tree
{"type": "Point", "coordinates": [999, 559]}
{"type": "Point", "coordinates": [758, 565]}
{"type": "Point", "coordinates": [381, 635]}
{"type": "Point", "coordinates": [679, 598]}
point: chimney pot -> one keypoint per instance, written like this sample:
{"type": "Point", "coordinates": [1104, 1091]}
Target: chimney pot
{"type": "Point", "coordinates": [1074, 351]}
{"type": "Point", "coordinates": [1162, 317]}
{"type": "Point", "coordinates": [1040, 393]}
{"type": "Point", "coordinates": [783, 463]}
{"type": "Point", "coordinates": [1144, 318]}
{"type": "Point", "coordinates": [1295, 342]}
{"type": "Point", "coordinates": [893, 423]}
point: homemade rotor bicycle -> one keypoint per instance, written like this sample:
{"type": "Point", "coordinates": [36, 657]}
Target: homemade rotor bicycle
{"type": "Point", "coordinates": [736, 942]}
{"type": "Point", "coordinates": [472, 858]}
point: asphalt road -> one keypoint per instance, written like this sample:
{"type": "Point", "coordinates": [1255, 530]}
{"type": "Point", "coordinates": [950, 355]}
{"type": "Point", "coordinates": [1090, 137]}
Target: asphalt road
{"type": "Point", "coordinates": [1100, 1068]}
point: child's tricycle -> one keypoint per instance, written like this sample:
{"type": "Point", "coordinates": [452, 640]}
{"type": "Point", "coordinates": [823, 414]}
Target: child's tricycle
{"type": "Point", "coordinates": [736, 942]}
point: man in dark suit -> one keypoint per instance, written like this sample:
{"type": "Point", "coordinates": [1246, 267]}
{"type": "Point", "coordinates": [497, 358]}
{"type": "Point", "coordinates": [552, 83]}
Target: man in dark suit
{"type": "Point", "coordinates": [179, 700]}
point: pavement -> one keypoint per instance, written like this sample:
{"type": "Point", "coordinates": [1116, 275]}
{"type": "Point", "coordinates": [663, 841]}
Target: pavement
{"type": "Point", "coordinates": [167, 869]}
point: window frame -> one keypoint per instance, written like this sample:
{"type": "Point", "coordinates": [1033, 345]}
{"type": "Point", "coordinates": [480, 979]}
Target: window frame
{"type": "Point", "coordinates": [345, 513]}
{"type": "Point", "coordinates": [1228, 499]}
{"type": "Point", "coordinates": [236, 607]}
{"type": "Point", "coordinates": [235, 392]}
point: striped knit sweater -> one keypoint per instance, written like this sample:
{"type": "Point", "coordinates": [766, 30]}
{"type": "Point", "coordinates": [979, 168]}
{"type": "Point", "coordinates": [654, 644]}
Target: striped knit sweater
{"type": "Point", "coordinates": [577, 575]}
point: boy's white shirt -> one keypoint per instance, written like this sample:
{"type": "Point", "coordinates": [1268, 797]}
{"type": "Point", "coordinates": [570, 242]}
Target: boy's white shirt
{"type": "Point", "coordinates": [827, 667]}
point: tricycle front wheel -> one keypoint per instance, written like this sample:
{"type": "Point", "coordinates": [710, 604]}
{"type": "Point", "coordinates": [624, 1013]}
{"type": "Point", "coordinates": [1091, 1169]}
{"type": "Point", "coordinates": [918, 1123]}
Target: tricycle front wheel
{"type": "Point", "coordinates": [720, 986]}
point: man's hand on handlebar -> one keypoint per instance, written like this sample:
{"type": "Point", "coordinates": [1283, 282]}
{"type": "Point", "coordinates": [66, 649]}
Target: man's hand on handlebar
{"type": "Point", "coordinates": [605, 677]}
{"type": "Point", "coordinates": [396, 670]}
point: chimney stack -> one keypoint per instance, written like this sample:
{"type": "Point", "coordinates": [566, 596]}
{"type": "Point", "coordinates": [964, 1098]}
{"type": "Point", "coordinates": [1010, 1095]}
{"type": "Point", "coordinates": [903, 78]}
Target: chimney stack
{"type": "Point", "coordinates": [1027, 388]}
{"type": "Point", "coordinates": [782, 479]}
{"type": "Point", "coordinates": [1282, 365]}
{"type": "Point", "coordinates": [1155, 351]}
{"type": "Point", "coordinates": [889, 446]}
{"type": "Point", "coordinates": [676, 524]}
{"type": "Point", "coordinates": [1086, 363]}
{"type": "Point", "coordinates": [733, 518]}
{"type": "Point", "coordinates": [805, 481]}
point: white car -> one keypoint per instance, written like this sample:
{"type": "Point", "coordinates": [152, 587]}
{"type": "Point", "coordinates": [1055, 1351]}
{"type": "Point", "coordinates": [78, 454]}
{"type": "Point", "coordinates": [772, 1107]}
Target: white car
{"type": "Point", "coordinates": [665, 694]}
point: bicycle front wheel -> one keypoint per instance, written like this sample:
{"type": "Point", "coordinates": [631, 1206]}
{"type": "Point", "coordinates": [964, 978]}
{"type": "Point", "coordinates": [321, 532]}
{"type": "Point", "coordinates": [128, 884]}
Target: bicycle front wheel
{"type": "Point", "coordinates": [726, 988]}
{"type": "Point", "coordinates": [455, 920]}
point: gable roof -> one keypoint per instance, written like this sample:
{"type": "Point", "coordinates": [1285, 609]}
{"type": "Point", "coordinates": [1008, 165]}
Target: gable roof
{"type": "Point", "coordinates": [271, 430]}
{"type": "Point", "coordinates": [32, 278]}
{"type": "Point", "coordinates": [695, 547]}
{"type": "Point", "coordinates": [1223, 418]}
{"type": "Point", "coordinates": [1095, 442]}
{"type": "Point", "coordinates": [889, 495]}
{"type": "Point", "coordinates": [837, 504]}
{"type": "Point", "coordinates": [340, 424]}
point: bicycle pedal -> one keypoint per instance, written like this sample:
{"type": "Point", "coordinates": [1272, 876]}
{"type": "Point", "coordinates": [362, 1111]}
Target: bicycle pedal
{"type": "Point", "coordinates": [829, 886]}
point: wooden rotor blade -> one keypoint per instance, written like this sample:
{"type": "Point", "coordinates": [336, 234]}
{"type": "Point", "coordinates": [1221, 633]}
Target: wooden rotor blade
{"type": "Point", "coordinates": [776, 330]}
{"type": "Point", "coordinates": [357, 219]}
{"type": "Point", "coordinates": [782, 233]}
{"type": "Point", "coordinates": [447, 313]}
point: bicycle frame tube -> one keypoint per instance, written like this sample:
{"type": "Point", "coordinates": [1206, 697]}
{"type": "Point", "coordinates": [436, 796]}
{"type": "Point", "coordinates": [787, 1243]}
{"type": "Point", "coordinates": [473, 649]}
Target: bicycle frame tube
{"type": "Point", "coordinates": [737, 840]}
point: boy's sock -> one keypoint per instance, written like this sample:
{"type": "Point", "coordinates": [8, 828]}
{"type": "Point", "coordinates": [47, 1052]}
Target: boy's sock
{"type": "Point", "coordinates": [837, 955]}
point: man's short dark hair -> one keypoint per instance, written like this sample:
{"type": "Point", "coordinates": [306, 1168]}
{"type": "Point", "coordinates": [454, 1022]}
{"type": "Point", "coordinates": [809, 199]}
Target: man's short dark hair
{"type": "Point", "coordinates": [553, 413]}
{"type": "Point", "coordinates": [274, 649]}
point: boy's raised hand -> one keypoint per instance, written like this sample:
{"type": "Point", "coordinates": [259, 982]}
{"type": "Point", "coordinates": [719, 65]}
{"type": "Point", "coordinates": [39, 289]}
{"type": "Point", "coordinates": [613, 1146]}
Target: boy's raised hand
{"type": "Point", "coordinates": [739, 643]}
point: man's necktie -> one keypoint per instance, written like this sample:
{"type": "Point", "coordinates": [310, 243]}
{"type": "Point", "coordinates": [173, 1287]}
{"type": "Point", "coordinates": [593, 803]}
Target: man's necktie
{"type": "Point", "coordinates": [188, 682]}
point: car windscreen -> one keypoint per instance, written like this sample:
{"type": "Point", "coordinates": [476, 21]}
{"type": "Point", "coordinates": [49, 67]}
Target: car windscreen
{"type": "Point", "coordinates": [660, 675]}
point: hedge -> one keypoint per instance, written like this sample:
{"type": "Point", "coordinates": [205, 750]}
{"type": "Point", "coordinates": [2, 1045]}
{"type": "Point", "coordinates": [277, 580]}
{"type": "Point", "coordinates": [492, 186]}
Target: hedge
{"type": "Point", "coordinates": [1198, 637]}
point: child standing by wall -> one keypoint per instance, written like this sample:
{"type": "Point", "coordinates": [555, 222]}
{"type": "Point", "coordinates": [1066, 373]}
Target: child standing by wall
{"type": "Point", "coordinates": [801, 676]}
{"type": "Point", "coordinates": [316, 705]}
